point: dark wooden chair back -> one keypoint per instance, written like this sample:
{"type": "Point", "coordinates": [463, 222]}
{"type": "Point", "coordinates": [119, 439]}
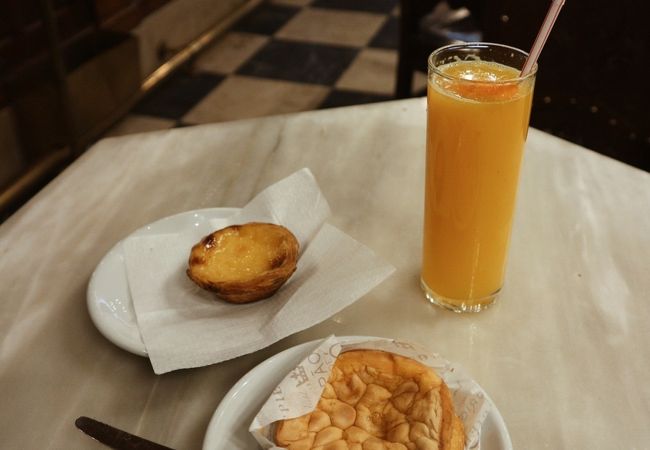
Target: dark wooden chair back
{"type": "Point", "coordinates": [593, 86]}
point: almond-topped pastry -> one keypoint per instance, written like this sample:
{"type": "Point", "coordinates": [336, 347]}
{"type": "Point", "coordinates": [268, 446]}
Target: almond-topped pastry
{"type": "Point", "coordinates": [376, 400]}
{"type": "Point", "coordinates": [244, 263]}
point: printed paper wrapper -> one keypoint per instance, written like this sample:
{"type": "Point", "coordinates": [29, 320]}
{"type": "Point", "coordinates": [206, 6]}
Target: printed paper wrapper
{"type": "Point", "coordinates": [300, 390]}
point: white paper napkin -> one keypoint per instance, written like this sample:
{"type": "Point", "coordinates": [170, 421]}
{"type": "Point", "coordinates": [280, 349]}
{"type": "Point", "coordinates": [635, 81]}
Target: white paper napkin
{"type": "Point", "coordinates": [183, 326]}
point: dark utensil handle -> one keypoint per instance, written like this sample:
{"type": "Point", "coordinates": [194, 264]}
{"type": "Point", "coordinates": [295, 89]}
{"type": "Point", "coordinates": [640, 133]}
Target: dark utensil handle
{"type": "Point", "coordinates": [115, 438]}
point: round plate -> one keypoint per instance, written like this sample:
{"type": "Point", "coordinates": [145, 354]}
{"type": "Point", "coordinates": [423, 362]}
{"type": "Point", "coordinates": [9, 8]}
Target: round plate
{"type": "Point", "coordinates": [228, 428]}
{"type": "Point", "coordinates": [108, 298]}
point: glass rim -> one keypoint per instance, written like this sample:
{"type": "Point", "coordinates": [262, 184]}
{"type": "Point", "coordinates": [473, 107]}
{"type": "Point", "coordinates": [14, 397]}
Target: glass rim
{"type": "Point", "coordinates": [459, 45]}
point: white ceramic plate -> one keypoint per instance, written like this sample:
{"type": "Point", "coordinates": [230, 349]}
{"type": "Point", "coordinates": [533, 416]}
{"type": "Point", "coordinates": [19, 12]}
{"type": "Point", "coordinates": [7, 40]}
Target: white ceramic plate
{"type": "Point", "coordinates": [108, 298]}
{"type": "Point", "coordinates": [228, 428]}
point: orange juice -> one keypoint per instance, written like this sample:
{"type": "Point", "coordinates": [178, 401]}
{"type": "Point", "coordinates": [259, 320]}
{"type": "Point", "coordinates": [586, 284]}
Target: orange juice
{"type": "Point", "coordinates": [478, 116]}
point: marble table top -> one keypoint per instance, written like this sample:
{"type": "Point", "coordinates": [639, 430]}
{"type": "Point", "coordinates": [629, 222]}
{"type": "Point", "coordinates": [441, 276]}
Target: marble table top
{"type": "Point", "coordinates": [564, 354]}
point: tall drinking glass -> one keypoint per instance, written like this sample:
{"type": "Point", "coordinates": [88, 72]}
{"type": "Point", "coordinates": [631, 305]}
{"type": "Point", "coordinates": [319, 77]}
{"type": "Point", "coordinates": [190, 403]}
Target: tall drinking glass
{"type": "Point", "coordinates": [478, 113]}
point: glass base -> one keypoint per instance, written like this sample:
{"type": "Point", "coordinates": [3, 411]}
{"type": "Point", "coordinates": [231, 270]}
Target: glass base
{"type": "Point", "coordinates": [456, 305]}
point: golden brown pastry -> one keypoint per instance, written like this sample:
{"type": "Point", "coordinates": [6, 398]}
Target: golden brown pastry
{"type": "Point", "coordinates": [244, 263]}
{"type": "Point", "coordinates": [376, 400]}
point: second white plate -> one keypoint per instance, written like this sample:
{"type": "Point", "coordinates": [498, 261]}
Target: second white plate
{"type": "Point", "coordinates": [108, 298]}
{"type": "Point", "coordinates": [228, 428]}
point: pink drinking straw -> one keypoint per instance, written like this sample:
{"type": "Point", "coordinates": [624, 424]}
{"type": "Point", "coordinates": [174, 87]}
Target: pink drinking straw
{"type": "Point", "coordinates": [540, 40]}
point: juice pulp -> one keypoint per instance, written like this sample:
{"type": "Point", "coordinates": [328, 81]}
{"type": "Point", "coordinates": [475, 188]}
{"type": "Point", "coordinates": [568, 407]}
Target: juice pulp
{"type": "Point", "coordinates": [475, 137]}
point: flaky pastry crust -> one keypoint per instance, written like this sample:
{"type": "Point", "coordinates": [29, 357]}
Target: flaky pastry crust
{"type": "Point", "coordinates": [376, 400]}
{"type": "Point", "coordinates": [244, 263]}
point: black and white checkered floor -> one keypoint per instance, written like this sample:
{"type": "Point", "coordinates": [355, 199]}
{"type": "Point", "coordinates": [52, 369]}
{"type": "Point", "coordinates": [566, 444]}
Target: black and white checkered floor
{"type": "Point", "coordinates": [284, 56]}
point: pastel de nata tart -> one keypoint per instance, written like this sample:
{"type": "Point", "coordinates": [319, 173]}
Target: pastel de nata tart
{"type": "Point", "coordinates": [244, 263]}
{"type": "Point", "coordinates": [376, 400]}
